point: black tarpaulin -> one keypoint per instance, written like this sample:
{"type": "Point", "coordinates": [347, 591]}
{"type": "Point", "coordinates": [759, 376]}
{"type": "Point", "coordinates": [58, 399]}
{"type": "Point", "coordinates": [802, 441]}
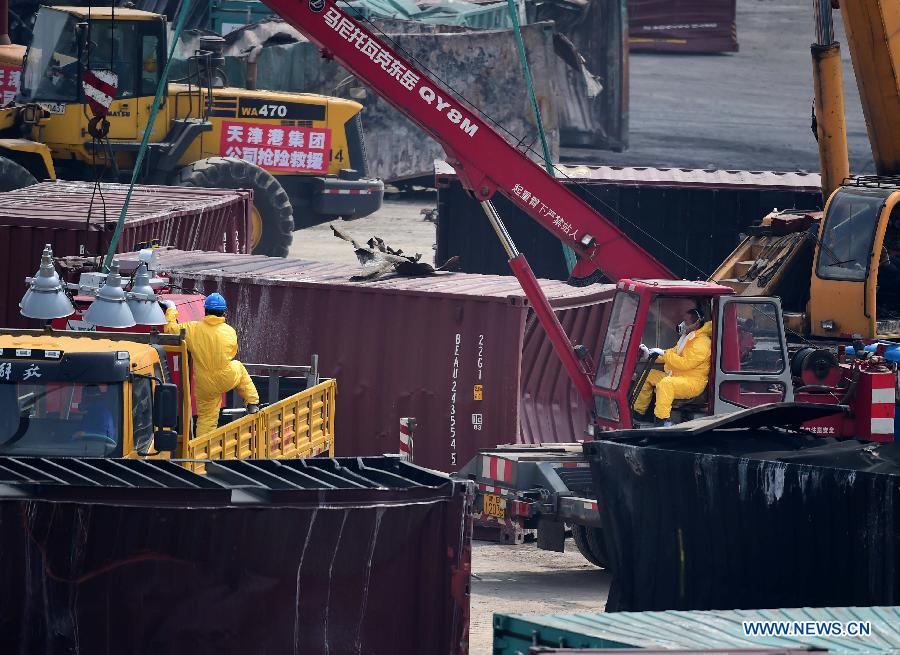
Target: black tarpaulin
{"type": "Point", "coordinates": [333, 568]}
{"type": "Point", "coordinates": [748, 519]}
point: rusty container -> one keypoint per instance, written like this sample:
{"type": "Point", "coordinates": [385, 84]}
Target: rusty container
{"type": "Point", "coordinates": [460, 353]}
{"type": "Point", "coordinates": [78, 218]}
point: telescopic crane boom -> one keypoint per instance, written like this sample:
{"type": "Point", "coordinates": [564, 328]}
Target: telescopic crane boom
{"type": "Point", "coordinates": [485, 162]}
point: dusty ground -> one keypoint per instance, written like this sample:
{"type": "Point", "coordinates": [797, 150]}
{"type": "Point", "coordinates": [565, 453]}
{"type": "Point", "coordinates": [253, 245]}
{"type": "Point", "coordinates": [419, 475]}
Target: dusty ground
{"type": "Point", "coordinates": [525, 580]}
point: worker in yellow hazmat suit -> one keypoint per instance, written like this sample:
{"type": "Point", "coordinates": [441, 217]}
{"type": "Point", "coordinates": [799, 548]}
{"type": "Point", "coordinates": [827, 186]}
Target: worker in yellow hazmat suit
{"type": "Point", "coordinates": [213, 345]}
{"type": "Point", "coordinates": [686, 368]}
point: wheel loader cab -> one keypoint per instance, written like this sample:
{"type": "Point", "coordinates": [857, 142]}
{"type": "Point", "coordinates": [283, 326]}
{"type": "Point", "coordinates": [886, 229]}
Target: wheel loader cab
{"type": "Point", "coordinates": [857, 263]}
{"type": "Point", "coordinates": [749, 353]}
{"type": "Point", "coordinates": [129, 43]}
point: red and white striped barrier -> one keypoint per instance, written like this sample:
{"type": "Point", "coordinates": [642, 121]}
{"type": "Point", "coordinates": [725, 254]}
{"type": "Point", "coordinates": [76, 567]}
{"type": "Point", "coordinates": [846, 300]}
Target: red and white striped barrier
{"type": "Point", "coordinates": [496, 468]}
{"type": "Point", "coordinates": [407, 427]}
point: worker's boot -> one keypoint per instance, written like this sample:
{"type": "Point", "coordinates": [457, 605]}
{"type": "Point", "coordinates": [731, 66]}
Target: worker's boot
{"type": "Point", "coordinates": [252, 409]}
{"type": "Point", "coordinates": [663, 422]}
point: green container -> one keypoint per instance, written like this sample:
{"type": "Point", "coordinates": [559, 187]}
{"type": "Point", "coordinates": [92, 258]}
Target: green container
{"type": "Point", "coordinates": [514, 634]}
{"type": "Point", "coordinates": [228, 15]}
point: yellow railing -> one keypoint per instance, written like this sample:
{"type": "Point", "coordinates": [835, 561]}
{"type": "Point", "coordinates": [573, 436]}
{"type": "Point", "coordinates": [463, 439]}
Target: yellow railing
{"type": "Point", "coordinates": [301, 425]}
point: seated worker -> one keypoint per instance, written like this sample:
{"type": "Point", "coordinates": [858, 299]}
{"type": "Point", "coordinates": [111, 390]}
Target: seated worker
{"type": "Point", "coordinates": [686, 368]}
{"type": "Point", "coordinates": [213, 345]}
{"type": "Point", "coordinates": [96, 417]}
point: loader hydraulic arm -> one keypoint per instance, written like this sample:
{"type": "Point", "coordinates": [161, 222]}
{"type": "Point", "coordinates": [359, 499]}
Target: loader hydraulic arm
{"type": "Point", "coordinates": [486, 164]}
{"type": "Point", "coordinates": [485, 161]}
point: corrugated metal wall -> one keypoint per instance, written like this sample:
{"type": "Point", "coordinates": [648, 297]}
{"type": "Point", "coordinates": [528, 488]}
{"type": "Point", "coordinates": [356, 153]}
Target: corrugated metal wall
{"type": "Point", "coordinates": [76, 221]}
{"type": "Point", "coordinates": [689, 220]}
{"type": "Point", "coordinates": [451, 350]}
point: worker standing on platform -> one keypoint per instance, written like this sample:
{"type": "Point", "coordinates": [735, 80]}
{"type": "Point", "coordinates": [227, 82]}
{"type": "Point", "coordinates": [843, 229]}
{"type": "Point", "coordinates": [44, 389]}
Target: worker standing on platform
{"type": "Point", "coordinates": [686, 368]}
{"type": "Point", "coordinates": [213, 345]}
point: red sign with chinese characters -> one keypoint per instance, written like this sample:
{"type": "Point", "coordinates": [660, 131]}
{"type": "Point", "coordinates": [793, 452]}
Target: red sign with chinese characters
{"type": "Point", "coordinates": [9, 83]}
{"type": "Point", "coordinates": [277, 147]}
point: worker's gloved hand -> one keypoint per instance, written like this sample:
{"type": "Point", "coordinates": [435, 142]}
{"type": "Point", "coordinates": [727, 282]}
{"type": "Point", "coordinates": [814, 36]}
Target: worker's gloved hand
{"type": "Point", "coordinates": [645, 351]}
{"type": "Point", "coordinates": [659, 352]}
{"type": "Point", "coordinates": [167, 304]}
{"type": "Point", "coordinates": [252, 409]}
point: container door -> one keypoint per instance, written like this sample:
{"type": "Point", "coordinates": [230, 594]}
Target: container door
{"type": "Point", "coordinates": [751, 355]}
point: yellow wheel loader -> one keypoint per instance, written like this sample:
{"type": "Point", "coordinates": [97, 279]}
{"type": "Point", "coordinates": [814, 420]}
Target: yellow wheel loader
{"type": "Point", "coordinates": [302, 154]}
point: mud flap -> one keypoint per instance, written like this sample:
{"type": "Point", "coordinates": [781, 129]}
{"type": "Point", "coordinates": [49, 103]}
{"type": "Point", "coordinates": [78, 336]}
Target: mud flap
{"type": "Point", "coordinates": [551, 535]}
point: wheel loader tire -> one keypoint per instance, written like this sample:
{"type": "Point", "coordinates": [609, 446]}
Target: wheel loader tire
{"type": "Point", "coordinates": [270, 201]}
{"type": "Point", "coordinates": [590, 544]}
{"type": "Point", "coordinates": [14, 176]}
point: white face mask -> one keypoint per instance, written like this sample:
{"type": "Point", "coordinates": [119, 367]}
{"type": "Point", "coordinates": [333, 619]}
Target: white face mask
{"type": "Point", "coordinates": [684, 328]}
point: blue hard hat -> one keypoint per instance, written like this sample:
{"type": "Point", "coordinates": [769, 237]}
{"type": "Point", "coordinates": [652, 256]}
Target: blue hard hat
{"type": "Point", "coordinates": [215, 302]}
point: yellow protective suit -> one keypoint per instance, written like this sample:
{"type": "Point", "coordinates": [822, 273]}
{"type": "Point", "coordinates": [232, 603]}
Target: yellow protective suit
{"type": "Point", "coordinates": [686, 375]}
{"type": "Point", "coordinates": [213, 344]}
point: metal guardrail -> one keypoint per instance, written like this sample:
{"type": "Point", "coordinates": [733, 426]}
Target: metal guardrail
{"type": "Point", "coordinates": [301, 425]}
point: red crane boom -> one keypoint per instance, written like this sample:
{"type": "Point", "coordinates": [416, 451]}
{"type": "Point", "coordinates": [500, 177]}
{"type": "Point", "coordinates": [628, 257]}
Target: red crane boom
{"type": "Point", "coordinates": [485, 162]}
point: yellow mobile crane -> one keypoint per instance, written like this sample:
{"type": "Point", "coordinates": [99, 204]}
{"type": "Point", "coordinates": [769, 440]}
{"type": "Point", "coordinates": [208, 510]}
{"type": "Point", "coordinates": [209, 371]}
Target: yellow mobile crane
{"type": "Point", "coordinates": [302, 154]}
{"type": "Point", "coordinates": [840, 276]}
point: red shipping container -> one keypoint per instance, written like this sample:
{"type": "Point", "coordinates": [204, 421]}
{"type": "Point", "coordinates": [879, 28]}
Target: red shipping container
{"type": "Point", "coordinates": [77, 220]}
{"type": "Point", "coordinates": [461, 353]}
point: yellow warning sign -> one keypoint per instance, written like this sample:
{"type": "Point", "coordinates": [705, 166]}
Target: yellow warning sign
{"type": "Point", "coordinates": [479, 392]}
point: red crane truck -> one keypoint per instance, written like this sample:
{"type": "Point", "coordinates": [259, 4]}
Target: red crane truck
{"type": "Point", "coordinates": [751, 365]}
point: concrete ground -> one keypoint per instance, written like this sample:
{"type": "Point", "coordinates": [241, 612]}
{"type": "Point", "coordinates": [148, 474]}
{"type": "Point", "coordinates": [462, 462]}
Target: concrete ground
{"type": "Point", "coordinates": [525, 580]}
{"type": "Point", "coordinates": [748, 110]}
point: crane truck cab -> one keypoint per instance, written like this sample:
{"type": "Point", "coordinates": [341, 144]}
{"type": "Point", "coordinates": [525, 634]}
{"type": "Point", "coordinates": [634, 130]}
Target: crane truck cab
{"type": "Point", "coordinates": [302, 154]}
{"type": "Point", "coordinates": [750, 362]}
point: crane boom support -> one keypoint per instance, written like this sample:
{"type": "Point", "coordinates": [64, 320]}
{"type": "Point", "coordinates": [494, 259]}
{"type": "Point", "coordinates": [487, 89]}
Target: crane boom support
{"type": "Point", "coordinates": [873, 32]}
{"type": "Point", "coordinates": [485, 162]}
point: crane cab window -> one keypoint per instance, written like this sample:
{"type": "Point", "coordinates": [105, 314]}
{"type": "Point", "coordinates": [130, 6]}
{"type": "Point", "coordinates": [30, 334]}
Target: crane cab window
{"type": "Point", "coordinates": [752, 344]}
{"type": "Point", "coordinates": [888, 296]}
{"type": "Point", "coordinates": [666, 312]}
{"type": "Point", "coordinates": [615, 344]}
{"type": "Point", "coordinates": [848, 234]}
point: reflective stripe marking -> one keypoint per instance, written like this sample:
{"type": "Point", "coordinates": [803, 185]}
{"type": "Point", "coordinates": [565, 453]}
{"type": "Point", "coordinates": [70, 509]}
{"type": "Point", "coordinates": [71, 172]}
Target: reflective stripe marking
{"type": "Point", "coordinates": [883, 396]}
{"type": "Point", "coordinates": [882, 426]}
{"type": "Point", "coordinates": [883, 381]}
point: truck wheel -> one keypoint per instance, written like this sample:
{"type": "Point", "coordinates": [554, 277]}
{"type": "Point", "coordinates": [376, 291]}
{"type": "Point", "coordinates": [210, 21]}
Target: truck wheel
{"type": "Point", "coordinates": [14, 176]}
{"type": "Point", "coordinates": [589, 542]}
{"type": "Point", "coordinates": [272, 222]}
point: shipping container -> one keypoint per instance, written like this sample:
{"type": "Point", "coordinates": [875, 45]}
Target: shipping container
{"type": "Point", "coordinates": [682, 25]}
{"type": "Point", "coordinates": [79, 218]}
{"type": "Point", "coordinates": [688, 219]}
{"type": "Point", "coordinates": [462, 354]}
{"type": "Point", "coordinates": [752, 518]}
{"type": "Point", "coordinates": [358, 555]}
{"type": "Point", "coordinates": [674, 632]}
